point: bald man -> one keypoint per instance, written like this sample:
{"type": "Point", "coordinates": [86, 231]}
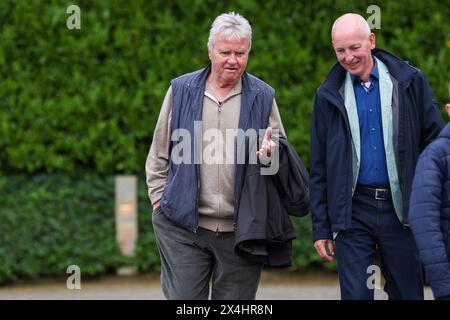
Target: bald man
{"type": "Point", "coordinates": [372, 117]}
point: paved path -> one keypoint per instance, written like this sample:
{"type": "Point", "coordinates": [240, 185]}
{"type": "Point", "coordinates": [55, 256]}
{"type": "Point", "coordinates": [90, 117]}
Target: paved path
{"type": "Point", "coordinates": [274, 286]}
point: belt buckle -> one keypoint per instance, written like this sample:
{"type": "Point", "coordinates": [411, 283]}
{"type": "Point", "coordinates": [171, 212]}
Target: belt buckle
{"type": "Point", "coordinates": [380, 197]}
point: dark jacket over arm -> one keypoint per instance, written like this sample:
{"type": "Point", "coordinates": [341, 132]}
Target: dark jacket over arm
{"type": "Point", "coordinates": [263, 228]}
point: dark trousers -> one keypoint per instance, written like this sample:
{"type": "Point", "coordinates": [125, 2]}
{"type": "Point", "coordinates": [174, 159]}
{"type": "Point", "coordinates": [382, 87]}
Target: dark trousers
{"type": "Point", "coordinates": [376, 226]}
{"type": "Point", "coordinates": [190, 261]}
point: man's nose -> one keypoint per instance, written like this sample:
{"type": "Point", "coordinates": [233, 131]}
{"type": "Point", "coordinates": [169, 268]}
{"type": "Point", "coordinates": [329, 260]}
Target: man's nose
{"type": "Point", "coordinates": [232, 59]}
{"type": "Point", "coordinates": [348, 57]}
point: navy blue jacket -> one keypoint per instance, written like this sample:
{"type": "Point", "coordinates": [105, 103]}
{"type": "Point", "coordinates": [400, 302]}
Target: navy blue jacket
{"type": "Point", "coordinates": [179, 201]}
{"type": "Point", "coordinates": [416, 123]}
{"type": "Point", "coordinates": [429, 212]}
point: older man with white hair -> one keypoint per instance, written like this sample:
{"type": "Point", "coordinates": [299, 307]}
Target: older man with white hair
{"type": "Point", "coordinates": [373, 116]}
{"type": "Point", "coordinates": [195, 204]}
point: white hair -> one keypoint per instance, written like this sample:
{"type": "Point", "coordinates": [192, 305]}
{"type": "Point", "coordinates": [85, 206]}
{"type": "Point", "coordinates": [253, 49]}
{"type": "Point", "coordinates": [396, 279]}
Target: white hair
{"type": "Point", "coordinates": [230, 25]}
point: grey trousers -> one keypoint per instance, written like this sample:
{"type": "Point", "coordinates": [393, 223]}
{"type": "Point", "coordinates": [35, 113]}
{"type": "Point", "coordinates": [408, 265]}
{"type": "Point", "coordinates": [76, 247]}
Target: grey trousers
{"type": "Point", "coordinates": [190, 261]}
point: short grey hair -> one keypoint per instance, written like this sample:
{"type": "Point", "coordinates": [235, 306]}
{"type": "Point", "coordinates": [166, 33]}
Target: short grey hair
{"type": "Point", "coordinates": [230, 25]}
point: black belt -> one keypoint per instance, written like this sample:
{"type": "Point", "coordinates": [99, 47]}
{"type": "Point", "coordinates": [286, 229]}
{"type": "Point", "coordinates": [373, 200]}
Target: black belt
{"type": "Point", "coordinates": [383, 194]}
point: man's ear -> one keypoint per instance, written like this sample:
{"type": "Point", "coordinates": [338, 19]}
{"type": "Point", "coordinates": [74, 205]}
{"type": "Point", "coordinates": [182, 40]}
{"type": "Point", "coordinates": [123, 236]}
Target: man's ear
{"type": "Point", "coordinates": [447, 108]}
{"type": "Point", "coordinates": [372, 40]}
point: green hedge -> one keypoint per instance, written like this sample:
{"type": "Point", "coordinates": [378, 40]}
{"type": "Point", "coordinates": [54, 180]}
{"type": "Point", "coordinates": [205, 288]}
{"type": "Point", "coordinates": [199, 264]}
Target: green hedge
{"type": "Point", "coordinates": [90, 98]}
{"type": "Point", "coordinates": [51, 222]}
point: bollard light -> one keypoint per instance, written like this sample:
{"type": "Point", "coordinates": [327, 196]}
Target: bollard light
{"type": "Point", "coordinates": [126, 217]}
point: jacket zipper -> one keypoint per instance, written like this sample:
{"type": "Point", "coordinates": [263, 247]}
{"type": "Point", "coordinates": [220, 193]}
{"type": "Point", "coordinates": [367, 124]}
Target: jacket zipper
{"type": "Point", "coordinates": [218, 171]}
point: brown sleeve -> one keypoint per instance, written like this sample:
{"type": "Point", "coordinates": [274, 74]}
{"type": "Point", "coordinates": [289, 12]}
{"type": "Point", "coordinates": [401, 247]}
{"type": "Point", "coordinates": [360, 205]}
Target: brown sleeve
{"type": "Point", "coordinates": [275, 120]}
{"type": "Point", "coordinates": [157, 164]}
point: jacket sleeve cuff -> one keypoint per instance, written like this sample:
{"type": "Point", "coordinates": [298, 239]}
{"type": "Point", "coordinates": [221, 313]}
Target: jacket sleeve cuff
{"type": "Point", "coordinates": [441, 289]}
{"type": "Point", "coordinates": [154, 196]}
{"type": "Point", "coordinates": [322, 234]}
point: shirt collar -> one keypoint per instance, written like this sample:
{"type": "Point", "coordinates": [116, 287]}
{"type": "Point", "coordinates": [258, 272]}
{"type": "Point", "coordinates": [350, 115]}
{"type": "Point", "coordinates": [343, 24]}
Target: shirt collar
{"type": "Point", "coordinates": [237, 89]}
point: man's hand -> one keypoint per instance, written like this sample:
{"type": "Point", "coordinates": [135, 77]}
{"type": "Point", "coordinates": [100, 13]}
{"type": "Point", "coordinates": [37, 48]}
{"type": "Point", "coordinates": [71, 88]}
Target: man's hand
{"type": "Point", "coordinates": [267, 146]}
{"type": "Point", "coordinates": [321, 248]}
{"type": "Point", "coordinates": [156, 205]}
